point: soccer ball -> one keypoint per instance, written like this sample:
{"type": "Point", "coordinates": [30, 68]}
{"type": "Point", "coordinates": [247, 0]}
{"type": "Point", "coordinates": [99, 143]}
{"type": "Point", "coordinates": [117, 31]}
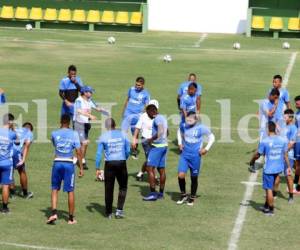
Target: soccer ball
{"type": "Point", "coordinates": [236, 45]}
{"type": "Point", "coordinates": [167, 58]}
{"type": "Point", "coordinates": [286, 45]}
{"type": "Point", "coordinates": [111, 40]}
{"type": "Point", "coordinates": [28, 26]}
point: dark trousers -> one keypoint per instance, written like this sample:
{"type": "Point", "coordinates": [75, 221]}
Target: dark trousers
{"type": "Point", "coordinates": [115, 170]}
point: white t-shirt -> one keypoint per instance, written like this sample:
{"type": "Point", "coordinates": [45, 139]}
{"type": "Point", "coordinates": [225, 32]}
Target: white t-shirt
{"type": "Point", "coordinates": [145, 125]}
{"type": "Point", "coordinates": [84, 105]}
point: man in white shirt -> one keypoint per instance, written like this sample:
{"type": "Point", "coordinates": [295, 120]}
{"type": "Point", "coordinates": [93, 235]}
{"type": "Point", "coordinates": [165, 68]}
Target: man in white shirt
{"type": "Point", "coordinates": [144, 126]}
{"type": "Point", "coordinates": [82, 116]}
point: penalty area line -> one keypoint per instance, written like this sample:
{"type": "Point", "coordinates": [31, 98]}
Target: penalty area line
{"type": "Point", "coordinates": [17, 245]}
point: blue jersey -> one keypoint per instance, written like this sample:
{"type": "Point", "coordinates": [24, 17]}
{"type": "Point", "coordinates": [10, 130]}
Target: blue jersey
{"type": "Point", "coordinates": [274, 149]}
{"type": "Point", "coordinates": [7, 139]}
{"type": "Point", "coordinates": [65, 140]}
{"type": "Point", "coordinates": [66, 84]}
{"type": "Point", "coordinates": [264, 108]}
{"type": "Point", "coordinates": [2, 98]}
{"type": "Point", "coordinates": [290, 133]}
{"type": "Point", "coordinates": [23, 134]}
{"type": "Point", "coordinates": [162, 140]}
{"type": "Point", "coordinates": [297, 123]}
{"type": "Point", "coordinates": [193, 138]}
{"type": "Point", "coordinates": [183, 89]}
{"type": "Point", "coordinates": [137, 100]}
{"type": "Point", "coordinates": [188, 103]}
{"type": "Point", "coordinates": [283, 99]}
{"type": "Point", "coordinates": [116, 147]}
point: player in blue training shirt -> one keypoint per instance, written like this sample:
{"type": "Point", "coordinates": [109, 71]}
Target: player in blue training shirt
{"type": "Point", "coordinates": [7, 138]}
{"type": "Point", "coordinates": [65, 141]}
{"type": "Point", "coordinates": [116, 147]}
{"type": "Point", "coordinates": [290, 133]}
{"type": "Point", "coordinates": [283, 101]}
{"type": "Point", "coordinates": [2, 97]}
{"type": "Point", "coordinates": [275, 149]}
{"type": "Point", "coordinates": [68, 91]}
{"type": "Point", "coordinates": [21, 151]}
{"type": "Point", "coordinates": [157, 154]}
{"type": "Point", "coordinates": [192, 150]}
{"type": "Point", "coordinates": [136, 101]}
{"type": "Point", "coordinates": [297, 145]}
{"type": "Point", "coordinates": [183, 89]}
{"type": "Point", "coordinates": [189, 102]}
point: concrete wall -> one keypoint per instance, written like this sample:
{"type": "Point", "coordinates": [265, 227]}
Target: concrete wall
{"type": "Point", "coordinates": [209, 16]}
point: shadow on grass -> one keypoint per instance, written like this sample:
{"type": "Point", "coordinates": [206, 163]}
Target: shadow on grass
{"type": "Point", "coordinates": [258, 205]}
{"type": "Point", "coordinates": [96, 207]}
{"type": "Point", "coordinates": [144, 190]}
{"type": "Point", "coordinates": [60, 213]}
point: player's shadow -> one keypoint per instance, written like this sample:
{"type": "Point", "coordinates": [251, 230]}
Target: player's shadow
{"type": "Point", "coordinates": [60, 213]}
{"type": "Point", "coordinates": [257, 206]}
{"type": "Point", "coordinates": [175, 196]}
{"type": "Point", "coordinates": [144, 190]}
{"type": "Point", "coordinates": [96, 207]}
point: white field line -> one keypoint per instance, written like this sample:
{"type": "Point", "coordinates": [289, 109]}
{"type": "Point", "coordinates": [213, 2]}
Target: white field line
{"type": "Point", "coordinates": [137, 46]}
{"type": "Point", "coordinates": [201, 40]}
{"type": "Point", "coordinates": [29, 246]}
{"type": "Point", "coordinates": [239, 222]}
{"type": "Point", "coordinates": [289, 69]}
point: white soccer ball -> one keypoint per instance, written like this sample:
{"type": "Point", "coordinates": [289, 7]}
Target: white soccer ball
{"type": "Point", "coordinates": [236, 46]}
{"type": "Point", "coordinates": [111, 40]}
{"type": "Point", "coordinates": [286, 45]}
{"type": "Point", "coordinates": [28, 27]}
{"type": "Point", "coordinates": [168, 58]}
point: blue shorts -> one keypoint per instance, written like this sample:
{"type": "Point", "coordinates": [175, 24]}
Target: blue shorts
{"type": "Point", "coordinates": [297, 151]}
{"type": "Point", "coordinates": [189, 162]}
{"type": "Point", "coordinates": [157, 157]}
{"type": "Point", "coordinates": [292, 161]}
{"type": "Point", "coordinates": [17, 157]}
{"type": "Point", "coordinates": [6, 175]}
{"type": "Point", "coordinates": [129, 121]}
{"type": "Point", "coordinates": [63, 171]}
{"type": "Point", "coordinates": [146, 147]}
{"type": "Point", "coordinates": [269, 181]}
{"type": "Point", "coordinates": [65, 110]}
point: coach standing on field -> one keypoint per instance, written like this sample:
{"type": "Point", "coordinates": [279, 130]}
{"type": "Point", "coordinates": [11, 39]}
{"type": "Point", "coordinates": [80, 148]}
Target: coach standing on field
{"type": "Point", "coordinates": [116, 147]}
{"type": "Point", "coordinates": [69, 88]}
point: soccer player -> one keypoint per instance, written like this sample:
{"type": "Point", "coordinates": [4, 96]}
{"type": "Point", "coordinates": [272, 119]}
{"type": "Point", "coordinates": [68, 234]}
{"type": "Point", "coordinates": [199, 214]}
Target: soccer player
{"type": "Point", "coordinates": [116, 147]}
{"type": "Point", "coordinates": [20, 153]}
{"type": "Point", "coordinates": [189, 102]}
{"type": "Point", "coordinates": [65, 141]}
{"type": "Point", "coordinates": [192, 150]}
{"type": "Point", "coordinates": [275, 150]}
{"type": "Point", "coordinates": [68, 91]}
{"type": "Point", "coordinates": [137, 98]}
{"type": "Point", "coordinates": [267, 109]}
{"type": "Point", "coordinates": [144, 126]}
{"type": "Point", "coordinates": [183, 89]}
{"type": "Point", "coordinates": [297, 145]}
{"type": "Point", "coordinates": [7, 138]}
{"type": "Point", "coordinates": [2, 96]}
{"type": "Point", "coordinates": [158, 153]}
{"type": "Point", "coordinates": [290, 133]}
{"type": "Point", "coordinates": [82, 116]}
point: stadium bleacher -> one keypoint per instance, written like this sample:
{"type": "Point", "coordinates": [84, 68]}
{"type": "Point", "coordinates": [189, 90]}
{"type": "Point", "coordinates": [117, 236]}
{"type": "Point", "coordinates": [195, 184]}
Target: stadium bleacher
{"type": "Point", "coordinates": [121, 15]}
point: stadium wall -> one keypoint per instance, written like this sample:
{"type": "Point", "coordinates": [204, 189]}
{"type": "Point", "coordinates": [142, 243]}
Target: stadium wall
{"type": "Point", "coordinates": [209, 16]}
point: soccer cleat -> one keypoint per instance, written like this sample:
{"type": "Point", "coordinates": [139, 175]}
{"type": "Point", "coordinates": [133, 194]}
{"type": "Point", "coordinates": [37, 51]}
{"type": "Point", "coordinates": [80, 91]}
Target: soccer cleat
{"type": "Point", "coordinates": [268, 212]}
{"type": "Point", "coordinates": [134, 157]}
{"type": "Point", "coordinates": [28, 196]}
{"type": "Point", "coordinates": [191, 201]}
{"type": "Point", "coordinates": [160, 196]}
{"type": "Point", "coordinates": [290, 201]}
{"type": "Point", "coordinates": [252, 169]}
{"type": "Point", "coordinates": [85, 167]}
{"type": "Point", "coordinates": [52, 219]}
{"type": "Point", "coordinates": [140, 176]}
{"type": "Point", "coordinates": [120, 214]}
{"type": "Point", "coordinates": [183, 199]}
{"type": "Point", "coordinates": [109, 216]}
{"type": "Point", "coordinates": [72, 222]}
{"type": "Point", "coordinates": [5, 211]}
{"type": "Point", "coordinates": [151, 197]}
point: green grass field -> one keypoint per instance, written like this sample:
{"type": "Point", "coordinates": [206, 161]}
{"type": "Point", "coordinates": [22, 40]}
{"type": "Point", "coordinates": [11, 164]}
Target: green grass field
{"type": "Point", "coordinates": [31, 66]}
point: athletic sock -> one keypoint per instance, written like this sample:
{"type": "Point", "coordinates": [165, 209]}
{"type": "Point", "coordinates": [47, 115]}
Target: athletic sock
{"type": "Point", "coordinates": [71, 217]}
{"type": "Point", "coordinates": [12, 191]}
{"type": "Point", "coordinates": [25, 192]}
{"type": "Point", "coordinates": [271, 208]}
{"type": "Point", "coordinates": [4, 205]}
{"type": "Point", "coordinates": [194, 185]}
{"type": "Point", "coordinates": [181, 183]}
{"type": "Point", "coordinates": [152, 190]}
{"type": "Point", "coordinates": [274, 193]}
{"type": "Point", "coordinates": [291, 195]}
{"type": "Point", "coordinates": [54, 211]}
{"type": "Point", "coordinates": [296, 179]}
{"type": "Point", "coordinates": [298, 188]}
{"type": "Point", "coordinates": [266, 206]}
{"type": "Point", "coordinates": [161, 190]}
